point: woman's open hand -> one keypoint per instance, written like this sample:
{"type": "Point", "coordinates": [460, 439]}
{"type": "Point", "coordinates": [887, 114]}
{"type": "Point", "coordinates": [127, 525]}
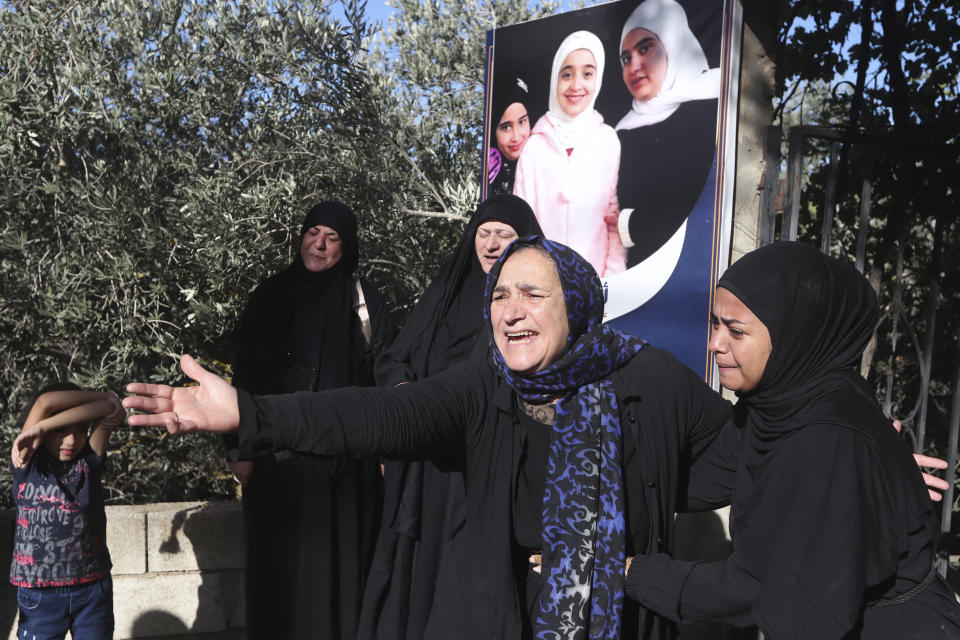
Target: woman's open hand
{"type": "Point", "coordinates": [934, 484]}
{"type": "Point", "coordinates": [211, 405]}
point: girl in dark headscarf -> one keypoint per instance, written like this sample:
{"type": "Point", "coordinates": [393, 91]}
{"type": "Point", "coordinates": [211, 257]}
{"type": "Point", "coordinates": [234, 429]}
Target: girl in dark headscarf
{"type": "Point", "coordinates": [834, 535]}
{"type": "Point", "coordinates": [424, 502]}
{"type": "Point", "coordinates": [311, 522]}
{"type": "Point", "coordinates": [511, 128]}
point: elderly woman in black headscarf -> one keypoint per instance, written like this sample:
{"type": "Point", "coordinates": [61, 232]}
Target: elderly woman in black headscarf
{"type": "Point", "coordinates": [574, 439]}
{"type": "Point", "coordinates": [833, 534]}
{"type": "Point", "coordinates": [424, 501]}
{"type": "Point", "coordinates": [311, 522]}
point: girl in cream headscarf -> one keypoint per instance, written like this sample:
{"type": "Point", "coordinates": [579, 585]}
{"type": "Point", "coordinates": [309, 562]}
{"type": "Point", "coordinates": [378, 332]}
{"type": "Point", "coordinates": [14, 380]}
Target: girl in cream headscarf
{"type": "Point", "coordinates": [567, 170]}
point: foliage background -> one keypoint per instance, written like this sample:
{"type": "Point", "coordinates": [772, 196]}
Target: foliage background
{"type": "Point", "coordinates": [156, 160]}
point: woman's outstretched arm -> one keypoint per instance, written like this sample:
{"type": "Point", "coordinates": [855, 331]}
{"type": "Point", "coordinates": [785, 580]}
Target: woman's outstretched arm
{"type": "Point", "coordinates": [417, 420]}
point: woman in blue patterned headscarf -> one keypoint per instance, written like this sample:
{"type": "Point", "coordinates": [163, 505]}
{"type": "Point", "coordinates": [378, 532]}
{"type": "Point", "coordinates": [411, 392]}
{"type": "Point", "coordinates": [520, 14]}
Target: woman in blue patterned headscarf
{"type": "Point", "coordinates": [582, 506]}
{"type": "Point", "coordinates": [573, 439]}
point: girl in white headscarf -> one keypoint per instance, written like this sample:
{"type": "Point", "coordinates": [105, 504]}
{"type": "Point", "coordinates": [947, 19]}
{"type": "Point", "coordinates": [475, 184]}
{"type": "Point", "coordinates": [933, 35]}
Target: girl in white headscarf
{"type": "Point", "coordinates": [668, 138]}
{"type": "Point", "coordinates": [567, 170]}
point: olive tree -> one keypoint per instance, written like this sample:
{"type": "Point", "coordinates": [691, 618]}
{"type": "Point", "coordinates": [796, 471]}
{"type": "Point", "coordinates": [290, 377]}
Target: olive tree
{"type": "Point", "coordinates": [156, 160]}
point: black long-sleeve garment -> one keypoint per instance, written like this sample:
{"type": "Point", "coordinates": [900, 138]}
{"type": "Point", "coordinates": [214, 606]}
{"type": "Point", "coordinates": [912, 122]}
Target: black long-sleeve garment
{"type": "Point", "coordinates": [663, 170]}
{"type": "Point", "coordinates": [823, 500]}
{"type": "Point", "coordinates": [669, 417]}
{"type": "Point", "coordinates": [311, 523]}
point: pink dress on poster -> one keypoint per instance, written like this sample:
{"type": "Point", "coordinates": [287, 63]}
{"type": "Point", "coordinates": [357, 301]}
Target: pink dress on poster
{"type": "Point", "coordinates": [568, 168]}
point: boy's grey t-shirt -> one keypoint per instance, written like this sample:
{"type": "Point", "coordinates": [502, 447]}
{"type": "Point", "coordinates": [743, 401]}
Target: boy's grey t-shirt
{"type": "Point", "coordinates": [61, 531]}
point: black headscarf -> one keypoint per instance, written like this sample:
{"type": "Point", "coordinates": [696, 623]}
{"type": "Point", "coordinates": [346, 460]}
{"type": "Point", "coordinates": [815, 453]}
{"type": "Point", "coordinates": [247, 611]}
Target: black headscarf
{"type": "Point", "coordinates": [820, 314]}
{"type": "Point", "coordinates": [817, 539]}
{"type": "Point", "coordinates": [299, 332]}
{"type": "Point", "coordinates": [447, 320]}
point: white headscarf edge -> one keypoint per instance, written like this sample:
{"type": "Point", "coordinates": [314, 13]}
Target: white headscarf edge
{"type": "Point", "coordinates": [688, 75]}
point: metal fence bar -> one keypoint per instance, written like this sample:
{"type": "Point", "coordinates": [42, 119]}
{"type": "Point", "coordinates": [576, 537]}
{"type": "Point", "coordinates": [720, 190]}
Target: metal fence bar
{"type": "Point", "coordinates": [791, 213]}
{"type": "Point", "coordinates": [771, 185]}
{"type": "Point", "coordinates": [896, 305]}
{"type": "Point", "coordinates": [830, 199]}
{"type": "Point", "coordinates": [934, 297]}
{"type": "Point", "coordinates": [866, 194]}
{"type": "Point", "coordinates": [945, 517]}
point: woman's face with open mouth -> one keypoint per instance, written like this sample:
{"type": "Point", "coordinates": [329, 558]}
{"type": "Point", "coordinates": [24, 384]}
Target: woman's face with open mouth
{"type": "Point", "coordinates": [528, 313]}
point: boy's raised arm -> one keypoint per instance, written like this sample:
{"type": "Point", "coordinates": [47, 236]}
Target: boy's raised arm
{"type": "Point", "coordinates": [107, 423]}
{"type": "Point", "coordinates": [51, 402]}
{"type": "Point", "coordinates": [32, 434]}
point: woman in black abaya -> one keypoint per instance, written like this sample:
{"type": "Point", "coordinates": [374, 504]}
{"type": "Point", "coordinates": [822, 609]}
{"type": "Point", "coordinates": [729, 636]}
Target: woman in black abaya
{"type": "Point", "coordinates": [424, 501]}
{"type": "Point", "coordinates": [311, 522]}
{"type": "Point", "coordinates": [833, 533]}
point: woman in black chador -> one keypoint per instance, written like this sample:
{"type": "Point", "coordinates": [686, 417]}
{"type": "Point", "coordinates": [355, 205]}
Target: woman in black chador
{"type": "Point", "coordinates": [834, 536]}
{"type": "Point", "coordinates": [311, 522]}
{"type": "Point", "coordinates": [424, 502]}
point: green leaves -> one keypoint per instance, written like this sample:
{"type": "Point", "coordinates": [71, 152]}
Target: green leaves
{"type": "Point", "coordinates": [156, 159]}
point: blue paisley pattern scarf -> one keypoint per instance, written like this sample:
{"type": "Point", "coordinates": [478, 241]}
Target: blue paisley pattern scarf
{"type": "Point", "coordinates": [584, 531]}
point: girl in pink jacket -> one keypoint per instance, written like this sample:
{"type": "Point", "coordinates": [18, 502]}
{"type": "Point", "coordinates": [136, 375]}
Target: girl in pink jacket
{"type": "Point", "coordinates": [567, 170]}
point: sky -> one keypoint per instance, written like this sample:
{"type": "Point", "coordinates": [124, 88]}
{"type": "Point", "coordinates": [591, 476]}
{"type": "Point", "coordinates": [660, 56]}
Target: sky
{"type": "Point", "coordinates": [378, 11]}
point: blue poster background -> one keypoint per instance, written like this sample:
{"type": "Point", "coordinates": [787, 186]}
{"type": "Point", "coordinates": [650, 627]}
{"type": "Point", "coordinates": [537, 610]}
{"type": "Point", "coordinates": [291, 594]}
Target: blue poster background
{"type": "Point", "coordinates": [676, 318]}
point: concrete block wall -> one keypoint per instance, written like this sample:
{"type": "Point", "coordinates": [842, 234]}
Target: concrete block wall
{"type": "Point", "coordinates": [177, 570]}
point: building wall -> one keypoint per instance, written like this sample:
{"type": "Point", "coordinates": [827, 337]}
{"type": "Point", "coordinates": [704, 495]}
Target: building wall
{"type": "Point", "coordinates": [177, 570]}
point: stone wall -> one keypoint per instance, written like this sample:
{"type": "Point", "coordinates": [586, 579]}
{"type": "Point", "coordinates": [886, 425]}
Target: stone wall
{"type": "Point", "coordinates": [177, 570]}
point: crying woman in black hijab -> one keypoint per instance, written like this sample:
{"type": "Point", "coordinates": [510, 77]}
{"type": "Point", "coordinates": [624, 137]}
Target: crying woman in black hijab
{"type": "Point", "coordinates": [833, 533]}
{"type": "Point", "coordinates": [311, 523]}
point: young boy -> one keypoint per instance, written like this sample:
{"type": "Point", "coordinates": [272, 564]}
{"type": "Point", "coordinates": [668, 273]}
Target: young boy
{"type": "Point", "coordinates": [61, 565]}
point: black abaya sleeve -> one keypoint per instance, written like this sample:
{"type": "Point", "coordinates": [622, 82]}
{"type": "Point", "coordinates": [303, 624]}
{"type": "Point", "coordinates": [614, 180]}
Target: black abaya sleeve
{"type": "Point", "coordinates": [713, 475]}
{"type": "Point", "coordinates": [693, 591]}
{"type": "Point", "coordinates": [420, 420]}
{"type": "Point", "coordinates": [382, 329]}
{"type": "Point", "coordinates": [814, 526]}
